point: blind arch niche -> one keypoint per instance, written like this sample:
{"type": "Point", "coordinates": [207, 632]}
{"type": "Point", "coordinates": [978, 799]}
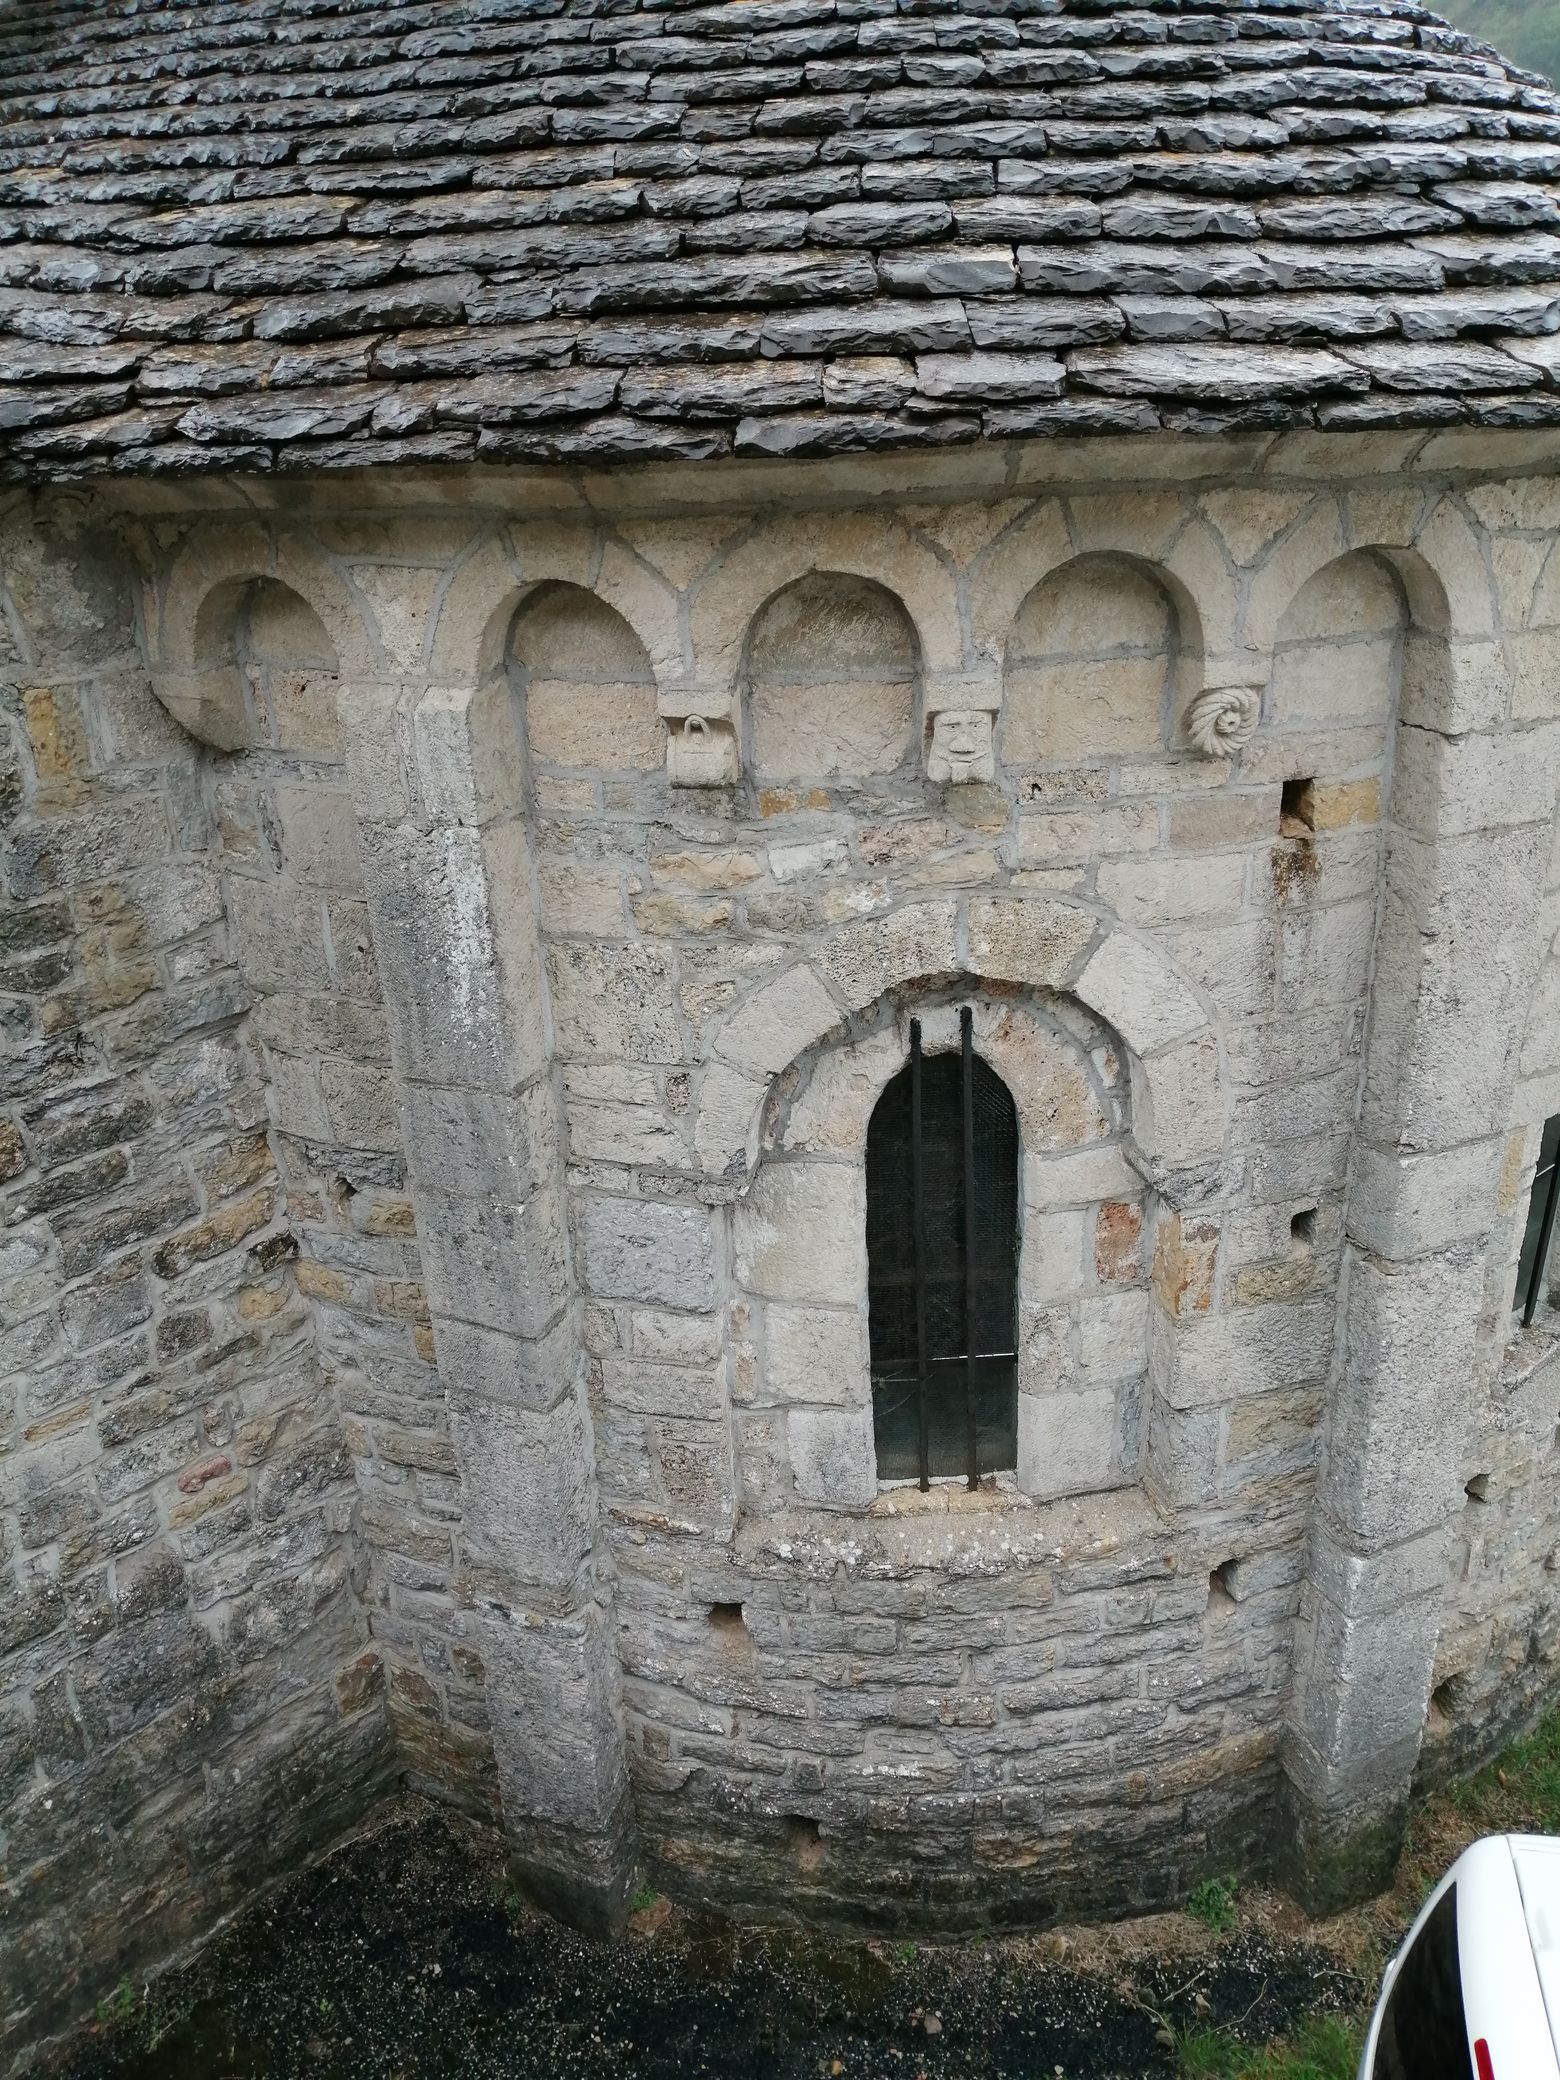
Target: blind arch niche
{"type": "Point", "coordinates": [943, 1190]}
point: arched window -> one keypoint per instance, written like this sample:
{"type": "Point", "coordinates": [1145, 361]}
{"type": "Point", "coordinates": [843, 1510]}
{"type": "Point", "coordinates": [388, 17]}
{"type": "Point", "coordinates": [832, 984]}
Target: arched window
{"type": "Point", "coordinates": [942, 1267]}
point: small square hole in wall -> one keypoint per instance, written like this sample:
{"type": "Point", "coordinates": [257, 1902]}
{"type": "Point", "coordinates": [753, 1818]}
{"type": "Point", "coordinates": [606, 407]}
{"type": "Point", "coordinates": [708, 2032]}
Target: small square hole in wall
{"type": "Point", "coordinates": [1302, 1229]}
{"type": "Point", "coordinates": [804, 1841]}
{"type": "Point", "coordinates": [727, 1618]}
{"type": "Point", "coordinates": [1445, 1699]}
{"type": "Point", "coordinates": [1297, 809]}
{"type": "Point", "coordinates": [1478, 1489]}
{"type": "Point", "coordinates": [1221, 1594]}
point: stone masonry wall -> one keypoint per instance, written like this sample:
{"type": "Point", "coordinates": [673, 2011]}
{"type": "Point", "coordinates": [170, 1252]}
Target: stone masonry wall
{"type": "Point", "coordinates": [861, 1708]}
{"type": "Point", "coordinates": [1499, 1645]}
{"type": "Point", "coordinates": [565, 1063]}
{"type": "Point", "coordinates": [186, 1704]}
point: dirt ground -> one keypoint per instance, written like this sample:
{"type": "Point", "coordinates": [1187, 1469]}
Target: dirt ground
{"type": "Point", "coordinates": [402, 1958]}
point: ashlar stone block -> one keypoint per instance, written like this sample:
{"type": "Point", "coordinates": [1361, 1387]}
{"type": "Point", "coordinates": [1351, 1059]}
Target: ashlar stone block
{"type": "Point", "coordinates": [463, 996]}
{"type": "Point", "coordinates": [614, 1002]}
{"type": "Point", "coordinates": [832, 1459]}
{"type": "Point", "coordinates": [501, 1265]}
{"type": "Point", "coordinates": [1132, 986]}
{"type": "Point", "coordinates": [725, 1134]}
{"type": "Point", "coordinates": [552, 1694]}
{"type": "Point", "coordinates": [528, 1490]}
{"type": "Point", "coordinates": [481, 1144]}
{"type": "Point", "coordinates": [1445, 786]}
{"type": "Point", "coordinates": [532, 1374]}
{"type": "Point", "coordinates": [1368, 1683]}
{"type": "Point", "coordinates": [867, 959]}
{"type": "Point", "coordinates": [779, 1022]}
{"type": "Point", "coordinates": [1410, 1205]}
{"type": "Point", "coordinates": [1403, 1404]}
{"type": "Point", "coordinates": [1067, 1443]}
{"type": "Point", "coordinates": [815, 1354]}
{"type": "Point", "coordinates": [638, 1249]}
{"type": "Point", "coordinates": [800, 1234]}
{"type": "Point", "coordinates": [1251, 1350]}
{"type": "Point", "coordinates": [1030, 941]}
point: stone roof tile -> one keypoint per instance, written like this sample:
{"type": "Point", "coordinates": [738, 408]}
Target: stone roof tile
{"type": "Point", "coordinates": [297, 234]}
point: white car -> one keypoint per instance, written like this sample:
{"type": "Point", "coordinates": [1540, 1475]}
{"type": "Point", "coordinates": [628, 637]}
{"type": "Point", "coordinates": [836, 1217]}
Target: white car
{"type": "Point", "coordinates": [1474, 1991]}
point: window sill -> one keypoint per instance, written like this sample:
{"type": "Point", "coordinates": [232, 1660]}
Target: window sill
{"type": "Point", "coordinates": [1530, 1350]}
{"type": "Point", "coordinates": [946, 1497]}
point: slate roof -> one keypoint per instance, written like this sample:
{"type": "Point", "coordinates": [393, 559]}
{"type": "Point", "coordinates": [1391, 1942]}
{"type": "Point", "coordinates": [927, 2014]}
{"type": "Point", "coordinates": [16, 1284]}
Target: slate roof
{"type": "Point", "coordinates": [297, 234]}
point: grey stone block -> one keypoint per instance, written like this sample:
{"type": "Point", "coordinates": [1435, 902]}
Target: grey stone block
{"type": "Point", "coordinates": [634, 1249]}
{"type": "Point", "coordinates": [498, 1264]}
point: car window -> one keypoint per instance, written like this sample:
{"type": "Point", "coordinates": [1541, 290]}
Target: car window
{"type": "Point", "coordinates": [1423, 2032]}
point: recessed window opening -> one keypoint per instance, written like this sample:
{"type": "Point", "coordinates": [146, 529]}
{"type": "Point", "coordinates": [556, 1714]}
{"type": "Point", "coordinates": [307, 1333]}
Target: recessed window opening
{"type": "Point", "coordinates": [1302, 1229]}
{"type": "Point", "coordinates": [727, 1617]}
{"type": "Point", "coordinates": [1297, 809]}
{"type": "Point", "coordinates": [1221, 1596]}
{"type": "Point", "coordinates": [942, 1254]}
{"type": "Point", "coordinates": [1533, 1263]}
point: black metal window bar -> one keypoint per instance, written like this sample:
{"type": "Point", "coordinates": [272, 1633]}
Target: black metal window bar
{"type": "Point", "coordinates": [1532, 1265]}
{"type": "Point", "coordinates": [942, 1254]}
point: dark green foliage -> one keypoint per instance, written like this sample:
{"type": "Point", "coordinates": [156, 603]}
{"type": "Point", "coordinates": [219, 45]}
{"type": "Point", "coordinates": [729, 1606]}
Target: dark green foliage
{"type": "Point", "coordinates": [1525, 31]}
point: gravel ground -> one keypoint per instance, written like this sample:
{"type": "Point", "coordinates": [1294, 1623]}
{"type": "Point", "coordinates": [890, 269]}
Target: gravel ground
{"type": "Point", "coordinates": [400, 1958]}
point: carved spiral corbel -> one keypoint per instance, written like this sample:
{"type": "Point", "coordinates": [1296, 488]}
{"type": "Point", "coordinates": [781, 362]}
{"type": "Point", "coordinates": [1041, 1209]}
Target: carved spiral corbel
{"type": "Point", "coordinates": [1222, 719]}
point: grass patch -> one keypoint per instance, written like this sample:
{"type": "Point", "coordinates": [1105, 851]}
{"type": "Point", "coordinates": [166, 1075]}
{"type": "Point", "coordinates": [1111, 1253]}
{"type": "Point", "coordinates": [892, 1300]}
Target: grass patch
{"type": "Point", "coordinates": [1520, 1791]}
{"type": "Point", "coordinates": [118, 2007]}
{"type": "Point", "coordinates": [1213, 1904]}
{"type": "Point", "coordinates": [1327, 2048]}
{"type": "Point", "coordinates": [643, 1900]}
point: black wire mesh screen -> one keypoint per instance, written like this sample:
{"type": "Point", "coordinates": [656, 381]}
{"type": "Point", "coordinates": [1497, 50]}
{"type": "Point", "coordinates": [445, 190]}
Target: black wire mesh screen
{"type": "Point", "coordinates": [934, 1307]}
{"type": "Point", "coordinates": [1540, 1227]}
